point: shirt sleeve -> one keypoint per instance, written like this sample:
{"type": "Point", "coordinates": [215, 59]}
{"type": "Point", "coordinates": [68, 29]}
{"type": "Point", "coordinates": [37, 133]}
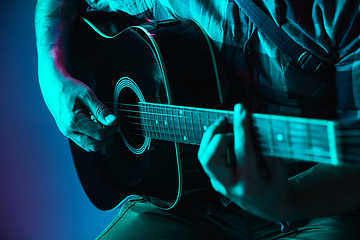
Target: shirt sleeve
{"type": "Point", "coordinates": [348, 72]}
{"type": "Point", "coordinates": [139, 8]}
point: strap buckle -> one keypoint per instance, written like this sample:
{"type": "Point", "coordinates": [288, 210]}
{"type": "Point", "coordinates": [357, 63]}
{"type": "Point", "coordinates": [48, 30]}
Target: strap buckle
{"type": "Point", "coordinates": [309, 62]}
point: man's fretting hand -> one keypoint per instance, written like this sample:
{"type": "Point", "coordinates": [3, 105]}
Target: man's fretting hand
{"type": "Point", "coordinates": [261, 189]}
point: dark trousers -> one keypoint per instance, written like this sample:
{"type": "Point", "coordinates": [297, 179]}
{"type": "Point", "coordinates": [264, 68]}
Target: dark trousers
{"type": "Point", "coordinates": [138, 219]}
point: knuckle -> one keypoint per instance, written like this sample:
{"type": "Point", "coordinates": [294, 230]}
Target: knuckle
{"type": "Point", "coordinates": [98, 135]}
{"type": "Point", "coordinates": [88, 145]}
{"type": "Point", "coordinates": [100, 110]}
{"type": "Point", "coordinates": [72, 124]}
{"type": "Point", "coordinates": [93, 147]}
{"type": "Point", "coordinates": [86, 94]}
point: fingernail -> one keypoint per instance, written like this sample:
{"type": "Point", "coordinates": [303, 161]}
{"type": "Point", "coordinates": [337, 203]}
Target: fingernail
{"type": "Point", "coordinates": [110, 118]}
{"type": "Point", "coordinates": [238, 107]}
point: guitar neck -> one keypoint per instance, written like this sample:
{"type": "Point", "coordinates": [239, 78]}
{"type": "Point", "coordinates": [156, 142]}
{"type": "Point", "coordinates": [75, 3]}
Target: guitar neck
{"type": "Point", "coordinates": [278, 136]}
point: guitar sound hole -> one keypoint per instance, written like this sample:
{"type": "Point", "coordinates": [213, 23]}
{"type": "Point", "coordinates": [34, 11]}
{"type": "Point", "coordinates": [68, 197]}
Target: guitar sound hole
{"type": "Point", "coordinates": [129, 114]}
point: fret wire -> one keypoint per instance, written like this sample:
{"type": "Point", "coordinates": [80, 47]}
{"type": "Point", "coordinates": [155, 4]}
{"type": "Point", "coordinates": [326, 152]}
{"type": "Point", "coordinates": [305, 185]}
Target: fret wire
{"type": "Point", "coordinates": [184, 129]}
{"type": "Point", "coordinates": [193, 122]}
{"type": "Point", "coordinates": [308, 139]}
{"type": "Point", "coordinates": [173, 124]}
{"type": "Point", "coordinates": [178, 123]}
{"type": "Point", "coordinates": [288, 139]}
{"type": "Point", "coordinates": [189, 126]}
{"type": "Point", "coordinates": [153, 111]}
{"type": "Point", "coordinates": [160, 122]}
{"type": "Point", "coordinates": [204, 125]}
{"type": "Point", "coordinates": [175, 128]}
{"type": "Point", "coordinates": [156, 119]}
{"type": "Point", "coordinates": [151, 122]}
{"type": "Point", "coordinates": [166, 124]}
{"type": "Point", "coordinates": [168, 111]}
{"type": "Point", "coordinates": [270, 137]}
{"type": "Point", "coordinates": [198, 132]}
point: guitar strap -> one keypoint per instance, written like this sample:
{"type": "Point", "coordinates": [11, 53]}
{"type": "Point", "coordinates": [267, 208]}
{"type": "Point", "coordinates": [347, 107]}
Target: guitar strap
{"type": "Point", "coordinates": [306, 60]}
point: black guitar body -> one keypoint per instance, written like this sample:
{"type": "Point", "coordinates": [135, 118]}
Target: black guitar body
{"type": "Point", "coordinates": [171, 63]}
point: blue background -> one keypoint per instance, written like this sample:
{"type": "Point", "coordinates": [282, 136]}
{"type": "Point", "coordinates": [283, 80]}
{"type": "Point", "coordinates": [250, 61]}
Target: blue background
{"type": "Point", "coordinates": [40, 195]}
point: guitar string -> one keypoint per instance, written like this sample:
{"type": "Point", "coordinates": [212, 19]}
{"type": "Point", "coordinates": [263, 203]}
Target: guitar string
{"type": "Point", "coordinates": [211, 117]}
{"type": "Point", "coordinates": [166, 108]}
{"type": "Point", "coordinates": [320, 152]}
{"type": "Point", "coordinates": [297, 151]}
{"type": "Point", "coordinates": [207, 119]}
{"type": "Point", "coordinates": [315, 156]}
{"type": "Point", "coordinates": [296, 155]}
{"type": "Point", "coordinates": [198, 124]}
{"type": "Point", "coordinates": [339, 132]}
{"type": "Point", "coordinates": [173, 136]}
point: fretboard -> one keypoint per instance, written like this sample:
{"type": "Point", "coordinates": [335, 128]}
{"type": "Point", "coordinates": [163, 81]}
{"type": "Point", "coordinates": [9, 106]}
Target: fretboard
{"type": "Point", "coordinates": [278, 136]}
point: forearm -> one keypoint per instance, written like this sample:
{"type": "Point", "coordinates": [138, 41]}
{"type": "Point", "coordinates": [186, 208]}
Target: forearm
{"type": "Point", "coordinates": [54, 24]}
{"type": "Point", "coordinates": [324, 191]}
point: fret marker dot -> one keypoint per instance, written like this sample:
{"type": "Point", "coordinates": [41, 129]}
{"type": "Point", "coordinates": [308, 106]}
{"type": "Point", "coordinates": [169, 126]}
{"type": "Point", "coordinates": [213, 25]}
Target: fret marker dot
{"type": "Point", "coordinates": [165, 122]}
{"type": "Point", "coordinates": [157, 122]}
{"type": "Point", "coordinates": [205, 127]}
{"type": "Point", "coordinates": [181, 112]}
{"type": "Point", "coordinates": [184, 138]}
{"type": "Point", "coordinates": [279, 137]}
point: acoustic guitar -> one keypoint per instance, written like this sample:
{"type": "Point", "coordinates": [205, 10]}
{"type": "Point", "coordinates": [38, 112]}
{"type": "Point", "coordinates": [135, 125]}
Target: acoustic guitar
{"type": "Point", "coordinates": [162, 80]}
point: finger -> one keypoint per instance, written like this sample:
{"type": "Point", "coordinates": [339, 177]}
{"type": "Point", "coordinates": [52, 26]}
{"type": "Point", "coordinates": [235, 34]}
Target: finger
{"type": "Point", "coordinates": [98, 109]}
{"type": "Point", "coordinates": [243, 146]}
{"type": "Point", "coordinates": [216, 149]}
{"type": "Point", "coordinates": [95, 130]}
{"type": "Point", "coordinates": [88, 143]}
{"type": "Point", "coordinates": [219, 126]}
{"type": "Point", "coordinates": [213, 159]}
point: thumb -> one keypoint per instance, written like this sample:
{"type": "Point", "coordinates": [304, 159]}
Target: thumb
{"type": "Point", "coordinates": [99, 110]}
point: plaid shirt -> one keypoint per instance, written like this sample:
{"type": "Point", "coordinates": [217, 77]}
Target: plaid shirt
{"type": "Point", "coordinates": [257, 68]}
